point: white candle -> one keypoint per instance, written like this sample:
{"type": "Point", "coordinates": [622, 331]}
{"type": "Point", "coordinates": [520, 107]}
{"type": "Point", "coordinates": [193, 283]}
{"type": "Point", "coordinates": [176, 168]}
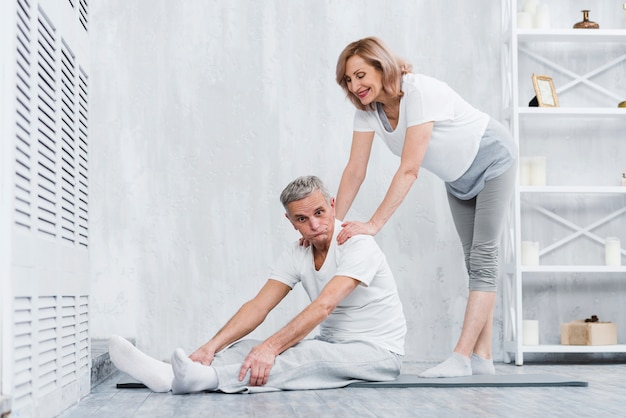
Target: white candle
{"type": "Point", "coordinates": [524, 20]}
{"type": "Point", "coordinates": [538, 171]}
{"type": "Point", "coordinates": [530, 6]}
{"type": "Point", "coordinates": [612, 251]}
{"type": "Point", "coordinates": [542, 17]}
{"type": "Point", "coordinates": [530, 332]}
{"type": "Point", "coordinates": [530, 253]}
{"type": "Point", "coordinates": [524, 171]}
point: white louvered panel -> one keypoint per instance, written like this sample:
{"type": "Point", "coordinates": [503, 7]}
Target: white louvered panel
{"type": "Point", "coordinates": [22, 352]}
{"type": "Point", "coordinates": [23, 144]}
{"type": "Point", "coordinates": [68, 149]}
{"type": "Point", "coordinates": [83, 10]}
{"type": "Point", "coordinates": [46, 200]}
{"type": "Point", "coordinates": [83, 173]}
{"type": "Point", "coordinates": [23, 199]}
{"type": "Point", "coordinates": [50, 366]}
{"type": "Point", "coordinates": [46, 128]}
{"type": "Point", "coordinates": [82, 334]}
{"type": "Point", "coordinates": [47, 346]}
{"type": "Point", "coordinates": [54, 353]}
{"type": "Point", "coordinates": [69, 346]}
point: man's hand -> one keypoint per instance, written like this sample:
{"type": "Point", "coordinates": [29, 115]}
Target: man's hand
{"type": "Point", "coordinates": [352, 228]}
{"type": "Point", "coordinates": [259, 361]}
{"type": "Point", "coordinates": [203, 355]}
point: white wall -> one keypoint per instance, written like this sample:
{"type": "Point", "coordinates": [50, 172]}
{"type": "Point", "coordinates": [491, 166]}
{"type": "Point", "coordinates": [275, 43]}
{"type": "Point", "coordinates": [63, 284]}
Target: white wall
{"type": "Point", "coordinates": [202, 111]}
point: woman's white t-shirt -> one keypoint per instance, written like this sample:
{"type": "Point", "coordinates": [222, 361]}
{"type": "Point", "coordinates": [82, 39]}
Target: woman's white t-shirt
{"type": "Point", "coordinates": [457, 130]}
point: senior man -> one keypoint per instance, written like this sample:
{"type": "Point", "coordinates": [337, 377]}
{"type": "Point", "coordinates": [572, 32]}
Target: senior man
{"type": "Point", "coordinates": [354, 300]}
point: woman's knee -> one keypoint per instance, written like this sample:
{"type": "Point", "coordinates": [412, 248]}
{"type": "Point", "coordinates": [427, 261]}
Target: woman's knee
{"type": "Point", "coordinates": [483, 267]}
{"type": "Point", "coordinates": [483, 284]}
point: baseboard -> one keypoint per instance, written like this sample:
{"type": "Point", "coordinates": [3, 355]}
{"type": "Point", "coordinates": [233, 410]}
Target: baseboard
{"type": "Point", "coordinates": [101, 366]}
{"type": "Point", "coordinates": [5, 406]}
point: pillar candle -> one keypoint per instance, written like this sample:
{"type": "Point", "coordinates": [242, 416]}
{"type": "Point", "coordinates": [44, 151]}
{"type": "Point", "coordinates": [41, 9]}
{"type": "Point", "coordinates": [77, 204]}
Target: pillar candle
{"type": "Point", "coordinates": [530, 332]}
{"type": "Point", "coordinates": [524, 171]}
{"type": "Point", "coordinates": [530, 6]}
{"type": "Point", "coordinates": [530, 253]}
{"type": "Point", "coordinates": [538, 171]}
{"type": "Point", "coordinates": [612, 251]}
{"type": "Point", "coordinates": [524, 20]}
{"type": "Point", "coordinates": [542, 17]}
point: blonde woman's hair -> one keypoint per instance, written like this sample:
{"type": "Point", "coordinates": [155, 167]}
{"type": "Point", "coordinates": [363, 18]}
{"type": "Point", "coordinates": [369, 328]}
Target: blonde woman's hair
{"type": "Point", "coordinates": [374, 52]}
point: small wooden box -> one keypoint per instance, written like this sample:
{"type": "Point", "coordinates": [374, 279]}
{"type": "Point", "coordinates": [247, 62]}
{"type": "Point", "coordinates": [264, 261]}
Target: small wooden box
{"type": "Point", "coordinates": [579, 332]}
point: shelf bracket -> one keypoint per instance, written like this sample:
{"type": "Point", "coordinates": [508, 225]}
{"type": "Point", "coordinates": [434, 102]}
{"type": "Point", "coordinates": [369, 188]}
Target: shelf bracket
{"type": "Point", "coordinates": [579, 231]}
{"type": "Point", "coordinates": [577, 78]}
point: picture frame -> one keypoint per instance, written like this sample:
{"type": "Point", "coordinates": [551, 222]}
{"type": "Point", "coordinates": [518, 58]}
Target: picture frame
{"type": "Point", "coordinates": [545, 91]}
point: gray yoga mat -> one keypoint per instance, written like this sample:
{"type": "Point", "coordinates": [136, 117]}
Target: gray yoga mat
{"type": "Point", "coordinates": [410, 380]}
{"type": "Point", "coordinates": [497, 380]}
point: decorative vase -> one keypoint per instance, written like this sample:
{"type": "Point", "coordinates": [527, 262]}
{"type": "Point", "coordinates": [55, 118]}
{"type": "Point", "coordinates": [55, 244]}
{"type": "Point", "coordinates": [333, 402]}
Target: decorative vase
{"type": "Point", "coordinates": [586, 23]}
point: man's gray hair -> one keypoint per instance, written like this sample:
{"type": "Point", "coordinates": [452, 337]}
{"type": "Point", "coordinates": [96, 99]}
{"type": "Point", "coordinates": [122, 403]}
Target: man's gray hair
{"type": "Point", "coordinates": [303, 187]}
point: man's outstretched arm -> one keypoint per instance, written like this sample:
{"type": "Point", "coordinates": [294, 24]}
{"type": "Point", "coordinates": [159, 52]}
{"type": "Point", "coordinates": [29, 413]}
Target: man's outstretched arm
{"type": "Point", "coordinates": [247, 319]}
{"type": "Point", "coordinates": [261, 358]}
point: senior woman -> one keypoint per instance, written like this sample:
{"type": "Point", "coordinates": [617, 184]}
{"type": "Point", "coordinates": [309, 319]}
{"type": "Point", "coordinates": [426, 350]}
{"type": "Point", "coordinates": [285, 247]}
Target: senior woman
{"type": "Point", "coordinates": [427, 124]}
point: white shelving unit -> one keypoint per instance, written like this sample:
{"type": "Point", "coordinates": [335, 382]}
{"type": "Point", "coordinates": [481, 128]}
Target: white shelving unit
{"type": "Point", "coordinates": [521, 47]}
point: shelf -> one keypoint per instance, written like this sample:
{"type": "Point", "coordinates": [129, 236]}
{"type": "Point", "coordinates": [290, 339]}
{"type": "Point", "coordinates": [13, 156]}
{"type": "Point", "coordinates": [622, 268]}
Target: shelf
{"type": "Point", "coordinates": [558, 348]}
{"type": "Point", "coordinates": [594, 112]}
{"type": "Point", "coordinates": [573, 269]}
{"type": "Point", "coordinates": [616, 190]}
{"type": "Point", "coordinates": [571, 35]}
{"type": "Point", "coordinates": [563, 204]}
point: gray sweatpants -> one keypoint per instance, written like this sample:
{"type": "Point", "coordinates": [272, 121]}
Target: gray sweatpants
{"type": "Point", "coordinates": [310, 364]}
{"type": "Point", "coordinates": [479, 222]}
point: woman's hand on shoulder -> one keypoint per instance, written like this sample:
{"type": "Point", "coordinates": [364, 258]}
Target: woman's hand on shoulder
{"type": "Point", "coordinates": [352, 228]}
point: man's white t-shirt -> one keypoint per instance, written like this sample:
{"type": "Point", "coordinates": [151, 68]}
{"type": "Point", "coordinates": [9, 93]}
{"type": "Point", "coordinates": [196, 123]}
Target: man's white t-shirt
{"type": "Point", "coordinates": [457, 131]}
{"type": "Point", "coordinates": [372, 312]}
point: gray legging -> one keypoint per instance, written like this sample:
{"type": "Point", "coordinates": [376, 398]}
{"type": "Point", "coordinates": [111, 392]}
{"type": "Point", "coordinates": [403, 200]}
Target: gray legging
{"type": "Point", "coordinates": [479, 223]}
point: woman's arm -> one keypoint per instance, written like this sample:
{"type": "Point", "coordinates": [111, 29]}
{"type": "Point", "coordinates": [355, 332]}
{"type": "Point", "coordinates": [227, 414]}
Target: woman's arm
{"type": "Point", "coordinates": [415, 145]}
{"type": "Point", "coordinates": [354, 173]}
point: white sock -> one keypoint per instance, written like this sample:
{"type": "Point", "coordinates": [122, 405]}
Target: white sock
{"type": "Point", "coordinates": [482, 365]}
{"type": "Point", "coordinates": [156, 375]}
{"type": "Point", "coordinates": [455, 366]}
{"type": "Point", "coordinates": [190, 376]}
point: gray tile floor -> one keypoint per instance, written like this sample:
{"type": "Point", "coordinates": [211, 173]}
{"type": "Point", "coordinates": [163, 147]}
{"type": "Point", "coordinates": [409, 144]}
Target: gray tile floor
{"type": "Point", "coordinates": [604, 397]}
